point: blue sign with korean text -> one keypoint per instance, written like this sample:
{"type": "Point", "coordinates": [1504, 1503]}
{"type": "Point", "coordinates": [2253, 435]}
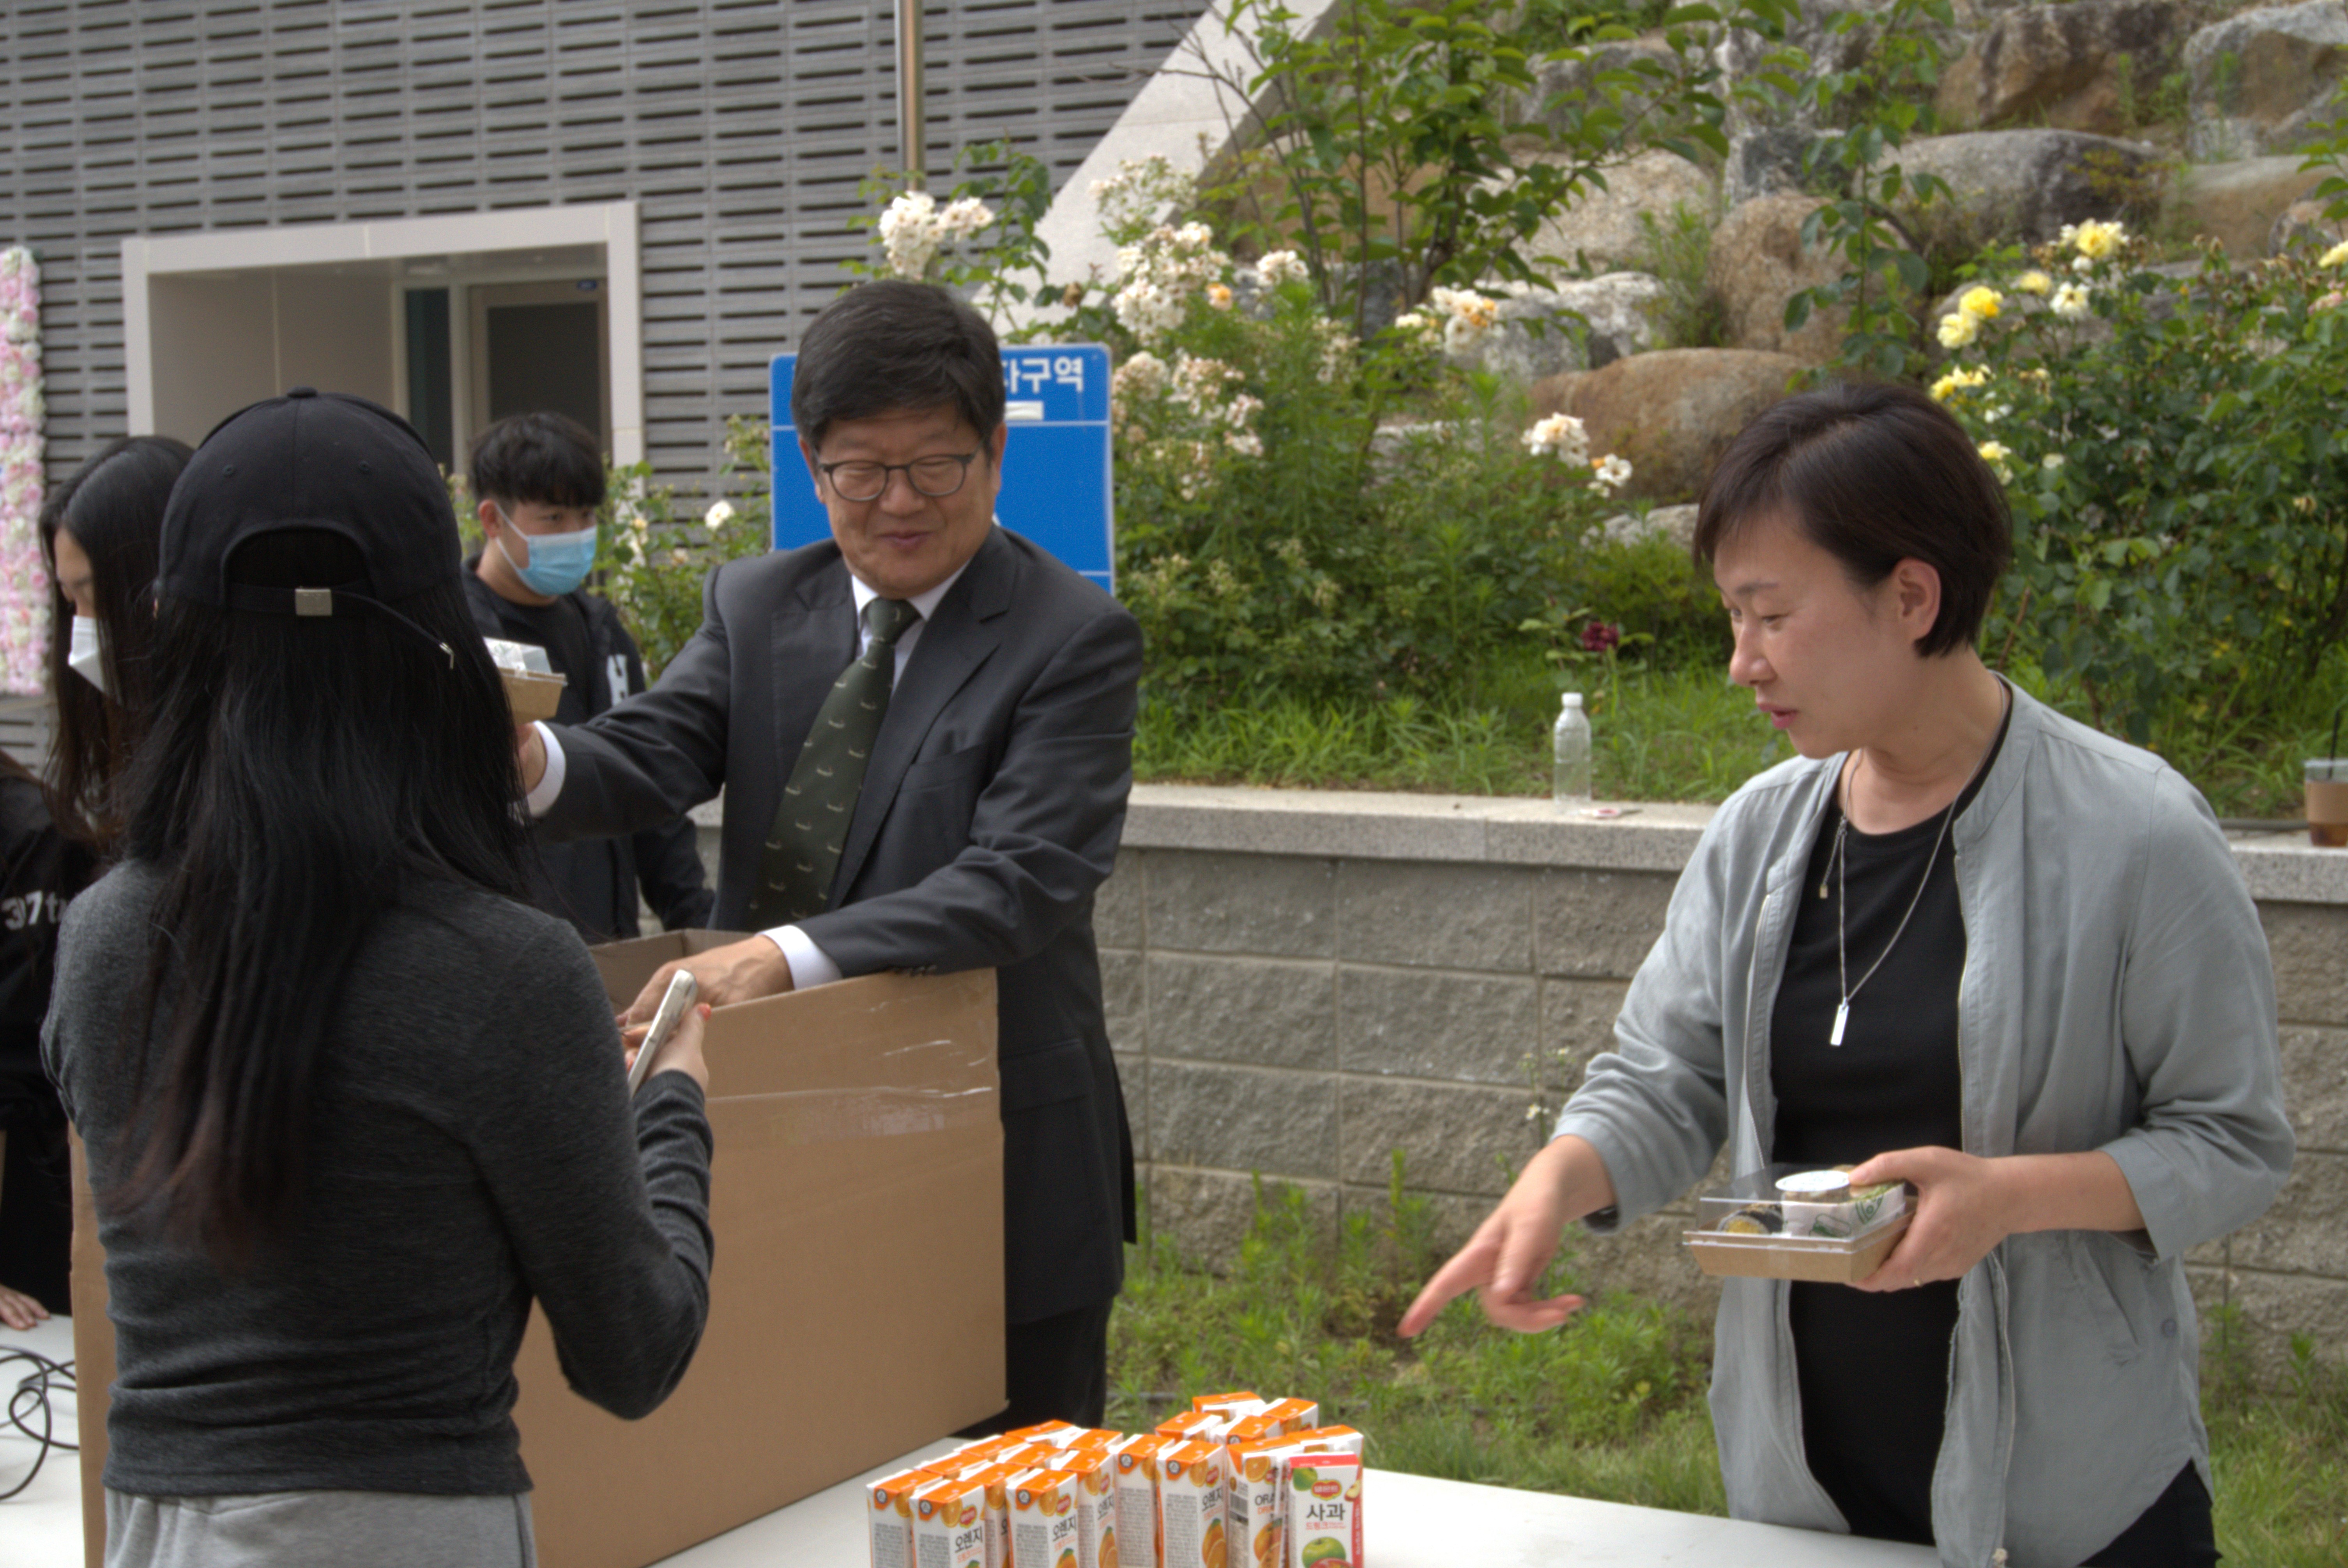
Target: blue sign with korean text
{"type": "Point", "coordinates": [1056, 464]}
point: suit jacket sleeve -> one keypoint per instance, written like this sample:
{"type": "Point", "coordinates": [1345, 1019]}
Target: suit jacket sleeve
{"type": "Point", "coordinates": [644, 761]}
{"type": "Point", "coordinates": [668, 857]}
{"type": "Point", "coordinates": [1045, 835]}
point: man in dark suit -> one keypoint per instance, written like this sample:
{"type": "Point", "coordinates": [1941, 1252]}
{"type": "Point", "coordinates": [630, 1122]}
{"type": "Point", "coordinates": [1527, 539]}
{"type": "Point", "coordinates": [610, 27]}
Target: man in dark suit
{"type": "Point", "coordinates": [964, 704]}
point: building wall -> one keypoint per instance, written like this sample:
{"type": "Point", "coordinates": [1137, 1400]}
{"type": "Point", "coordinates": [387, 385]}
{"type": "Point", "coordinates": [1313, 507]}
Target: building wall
{"type": "Point", "coordinates": [1300, 984]}
{"type": "Point", "coordinates": [741, 126]}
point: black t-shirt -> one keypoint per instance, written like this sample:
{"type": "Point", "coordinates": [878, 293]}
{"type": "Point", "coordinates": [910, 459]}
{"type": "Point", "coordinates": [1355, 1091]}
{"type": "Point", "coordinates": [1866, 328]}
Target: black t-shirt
{"type": "Point", "coordinates": [39, 871]}
{"type": "Point", "coordinates": [1874, 1369]}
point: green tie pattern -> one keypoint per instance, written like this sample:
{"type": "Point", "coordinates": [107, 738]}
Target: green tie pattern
{"type": "Point", "coordinates": [819, 802]}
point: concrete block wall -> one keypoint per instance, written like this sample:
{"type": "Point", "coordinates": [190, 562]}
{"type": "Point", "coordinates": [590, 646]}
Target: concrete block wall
{"type": "Point", "coordinates": [1300, 982]}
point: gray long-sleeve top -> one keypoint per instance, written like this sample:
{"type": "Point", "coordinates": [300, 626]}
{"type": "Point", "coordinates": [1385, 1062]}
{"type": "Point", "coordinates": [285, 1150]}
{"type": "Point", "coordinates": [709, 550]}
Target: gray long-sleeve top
{"type": "Point", "coordinates": [474, 1147]}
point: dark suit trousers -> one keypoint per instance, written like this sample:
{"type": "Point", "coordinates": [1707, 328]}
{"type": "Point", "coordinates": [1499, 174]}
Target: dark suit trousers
{"type": "Point", "coordinates": [1056, 1369]}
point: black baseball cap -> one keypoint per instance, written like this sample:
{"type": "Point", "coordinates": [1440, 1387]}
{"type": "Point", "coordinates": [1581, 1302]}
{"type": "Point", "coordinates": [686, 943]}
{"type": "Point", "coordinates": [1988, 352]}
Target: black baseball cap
{"type": "Point", "coordinates": [313, 459]}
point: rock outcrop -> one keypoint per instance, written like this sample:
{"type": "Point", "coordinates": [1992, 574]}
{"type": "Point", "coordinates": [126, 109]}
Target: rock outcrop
{"type": "Point", "coordinates": [1758, 262]}
{"type": "Point", "coordinates": [2262, 81]}
{"type": "Point", "coordinates": [1673, 412]}
{"type": "Point", "coordinates": [2061, 66]}
{"type": "Point", "coordinates": [2026, 184]}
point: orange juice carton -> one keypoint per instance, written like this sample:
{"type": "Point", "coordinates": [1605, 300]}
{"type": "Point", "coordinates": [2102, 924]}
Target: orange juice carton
{"type": "Point", "coordinates": [1096, 1438]}
{"type": "Point", "coordinates": [1252, 1503]}
{"type": "Point", "coordinates": [1135, 1491]}
{"type": "Point", "coordinates": [997, 1479]}
{"type": "Point", "coordinates": [1095, 1473]}
{"type": "Point", "coordinates": [950, 1525]}
{"type": "Point", "coordinates": [1190, 1492]}
{"type": "Point", "coordinates": [981, 1449]}
{"type": "Point", "coordinates": [1324, 1528]}
{"type": "Point", "coordinates": [1194, 1425]}
{"type": "Point", "coordinates": [1044, 1525]}
{"type": "Point", "coordinates": [1293, 1415]}
{"type": "Point", "coordinates": [890, 1518]}
{"type": "Point", "coordinates": [1059, 1434]}
{"type": "Point", "coordinates": [1217, 1401]}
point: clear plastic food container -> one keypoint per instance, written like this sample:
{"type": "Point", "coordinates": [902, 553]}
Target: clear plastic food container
{"type": "Point", "coordinates": [1798, 1221]}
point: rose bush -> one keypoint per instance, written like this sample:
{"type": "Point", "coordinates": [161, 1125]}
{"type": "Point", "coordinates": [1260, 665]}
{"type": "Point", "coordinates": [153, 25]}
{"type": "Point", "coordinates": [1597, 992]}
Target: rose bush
{"type": "Point", "coordinates": [2171, 449]}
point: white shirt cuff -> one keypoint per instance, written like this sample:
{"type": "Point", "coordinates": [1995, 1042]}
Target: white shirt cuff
{"type": "Point", "coordinates": [810, 965]}
{"type": "Point", "coordinates": [550, 783]}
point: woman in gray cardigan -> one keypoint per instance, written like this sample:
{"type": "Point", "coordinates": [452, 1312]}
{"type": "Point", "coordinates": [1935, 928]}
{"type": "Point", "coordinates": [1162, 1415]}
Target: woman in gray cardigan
{"type": "Point", "coordinates": [1963, 942]}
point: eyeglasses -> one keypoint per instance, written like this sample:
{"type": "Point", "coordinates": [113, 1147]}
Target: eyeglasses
{"type": "Point", "coordinates": [936, 477]}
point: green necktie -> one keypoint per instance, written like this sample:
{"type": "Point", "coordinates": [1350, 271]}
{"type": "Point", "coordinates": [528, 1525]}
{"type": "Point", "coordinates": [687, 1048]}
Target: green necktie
{"type": "Point", "coordinates": [819, 802]}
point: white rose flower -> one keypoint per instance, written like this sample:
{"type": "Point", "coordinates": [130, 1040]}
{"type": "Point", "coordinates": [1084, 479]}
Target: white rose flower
{"type": "Point", "coordinates": [2070, 302]}
{"type": "Point", "coordinates": [718, 515]}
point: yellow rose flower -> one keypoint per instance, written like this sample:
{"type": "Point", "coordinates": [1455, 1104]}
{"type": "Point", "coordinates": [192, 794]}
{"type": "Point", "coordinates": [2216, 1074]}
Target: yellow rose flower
{"type": "Point", "coordinates": [2097, 241]}
{"type": "Point", "coordinates": [2336, 255]}
{"type": "Point", "coordinates": [1958, 329]}
{"type": "Point", "coordinates": [2034, 282]}
{"type": "Point", "coordinates": [1981, 300]}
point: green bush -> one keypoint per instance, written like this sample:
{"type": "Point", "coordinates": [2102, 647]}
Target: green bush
{"type": "Point", "coordinates": [2180, 488]}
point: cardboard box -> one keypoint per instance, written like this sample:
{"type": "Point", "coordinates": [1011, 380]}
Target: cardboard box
{"type": "Point", "coordinates": [837, 1111]}
{"type": "Point", "coordinates": [531, 697]}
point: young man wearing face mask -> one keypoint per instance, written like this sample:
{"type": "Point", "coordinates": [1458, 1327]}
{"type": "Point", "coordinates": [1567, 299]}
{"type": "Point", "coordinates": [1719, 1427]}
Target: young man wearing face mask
{"type": "Point", "coordinates": [539, 479]}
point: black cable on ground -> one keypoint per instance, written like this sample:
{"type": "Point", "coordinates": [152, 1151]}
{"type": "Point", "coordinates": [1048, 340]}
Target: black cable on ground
{"type": "Point", "coordinates": [31, 1398]}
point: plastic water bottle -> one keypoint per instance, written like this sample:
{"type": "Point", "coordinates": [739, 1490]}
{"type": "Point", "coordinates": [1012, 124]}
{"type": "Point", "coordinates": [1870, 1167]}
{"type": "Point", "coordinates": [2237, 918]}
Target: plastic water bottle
{"type": "Point", "coordinates": [1572, 778]}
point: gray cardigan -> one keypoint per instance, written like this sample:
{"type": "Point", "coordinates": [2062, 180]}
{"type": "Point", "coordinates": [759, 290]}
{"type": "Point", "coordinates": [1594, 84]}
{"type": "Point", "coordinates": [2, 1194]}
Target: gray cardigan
{"type": "Point", "coordinates": [2116, 995]}
{"type": "Point", "coordinates": [473, 1147]}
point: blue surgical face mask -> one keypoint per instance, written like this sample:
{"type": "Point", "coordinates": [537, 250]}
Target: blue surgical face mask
{"type": "Point", "coordinates": [83, 655]}
{"type": "Point", "coordinates": [558, 562]}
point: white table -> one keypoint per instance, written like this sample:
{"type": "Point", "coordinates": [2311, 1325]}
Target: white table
{"type": "Point", "coordinates": [1412, 1522]}
{"type": "Point", "coordinates": [41, 1528]}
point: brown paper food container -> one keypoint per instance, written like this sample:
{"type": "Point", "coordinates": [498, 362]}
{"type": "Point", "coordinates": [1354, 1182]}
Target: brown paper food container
{"type": "Point", "coordinates": [836, 1112]}
{"type": "Point", "coordinates": [1778, 1257]}
{"type": "Point", "coordinates": [532, 697]}
{"type": "Point", "coordinates": [2327, 812]}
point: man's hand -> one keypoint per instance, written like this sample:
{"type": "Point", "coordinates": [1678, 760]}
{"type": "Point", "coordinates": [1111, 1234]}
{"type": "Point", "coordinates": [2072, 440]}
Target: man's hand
{"type": "Point", "coordinates": [683, 1052]}
{"type": "Point", "coordinates": [18, 1310]}
{"type": "Point", "coordinates": [1504, 1259]}
{"type": "Point", "coordinates": [738, 972]}
{"type": "Point", "coordinates": [529, 755]}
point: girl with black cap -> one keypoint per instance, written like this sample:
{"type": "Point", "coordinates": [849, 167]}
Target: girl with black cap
{"type": "Point", "coordinates": [349, 1104]}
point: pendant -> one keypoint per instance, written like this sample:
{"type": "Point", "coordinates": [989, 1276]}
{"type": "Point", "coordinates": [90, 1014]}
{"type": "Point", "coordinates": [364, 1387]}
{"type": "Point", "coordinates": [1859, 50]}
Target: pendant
{"type": "Point", "coordinates": [1842, 1017]}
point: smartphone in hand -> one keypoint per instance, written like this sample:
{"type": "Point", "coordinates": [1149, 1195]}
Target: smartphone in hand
{"type": "Point", "coordinates": [682, 990]}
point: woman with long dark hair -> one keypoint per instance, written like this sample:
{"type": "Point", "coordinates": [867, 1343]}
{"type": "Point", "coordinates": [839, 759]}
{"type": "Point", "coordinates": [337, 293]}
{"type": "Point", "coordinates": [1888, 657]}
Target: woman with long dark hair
{"type": "Point", "coordinates": [349, 1103]}
{"type": "Point", "coordinates": [100, 531]}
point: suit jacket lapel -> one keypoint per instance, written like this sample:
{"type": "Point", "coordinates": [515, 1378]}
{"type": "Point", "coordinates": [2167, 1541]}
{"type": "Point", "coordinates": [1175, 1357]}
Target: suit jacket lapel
{"type": "Point", "coordinates": [952, 647]}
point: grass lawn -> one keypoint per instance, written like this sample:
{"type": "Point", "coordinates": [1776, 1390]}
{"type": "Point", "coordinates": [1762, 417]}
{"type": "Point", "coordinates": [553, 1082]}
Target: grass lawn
{"type": "Point", "coordinates": [1611, 1406]}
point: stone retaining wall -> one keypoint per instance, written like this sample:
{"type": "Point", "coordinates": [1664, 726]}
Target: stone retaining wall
{"type": "Point", "coordinates": [1299, 983]}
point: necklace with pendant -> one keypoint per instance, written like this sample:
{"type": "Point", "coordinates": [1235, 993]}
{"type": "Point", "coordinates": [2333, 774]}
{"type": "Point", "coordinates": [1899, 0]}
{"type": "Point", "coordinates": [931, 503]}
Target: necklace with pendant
{"type": "Point", "coordinates": [1838, 860]}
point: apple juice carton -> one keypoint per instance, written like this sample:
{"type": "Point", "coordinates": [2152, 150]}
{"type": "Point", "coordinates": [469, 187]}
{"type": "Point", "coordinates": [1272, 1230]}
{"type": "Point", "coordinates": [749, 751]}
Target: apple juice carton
{"type": "Point", "coordinates": [1191, 1485]}
{"type": "Point", "coordinates": [950, 1525]}
{"type": "Point", "coordinates": [1095, 1473]}
{"type": "Point", "coordinates": [1043, 1520]}
{"type": "Point", "coordinates": [1135, 1491]}
{"type": "Point", "coordinates": [890, 1520]}
{"type": "Point", "coordinates": [1324, 1510]}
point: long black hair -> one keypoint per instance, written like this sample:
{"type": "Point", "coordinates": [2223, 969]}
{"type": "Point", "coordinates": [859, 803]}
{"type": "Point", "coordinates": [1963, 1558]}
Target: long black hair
{"type": "Point", "coordinates": [113, 507]}
{"type": "Point", "coordinates": [300, 776]}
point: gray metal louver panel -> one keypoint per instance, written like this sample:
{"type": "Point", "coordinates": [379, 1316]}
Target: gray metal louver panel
{"type": "Point", "coordinates": [740, 127]}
